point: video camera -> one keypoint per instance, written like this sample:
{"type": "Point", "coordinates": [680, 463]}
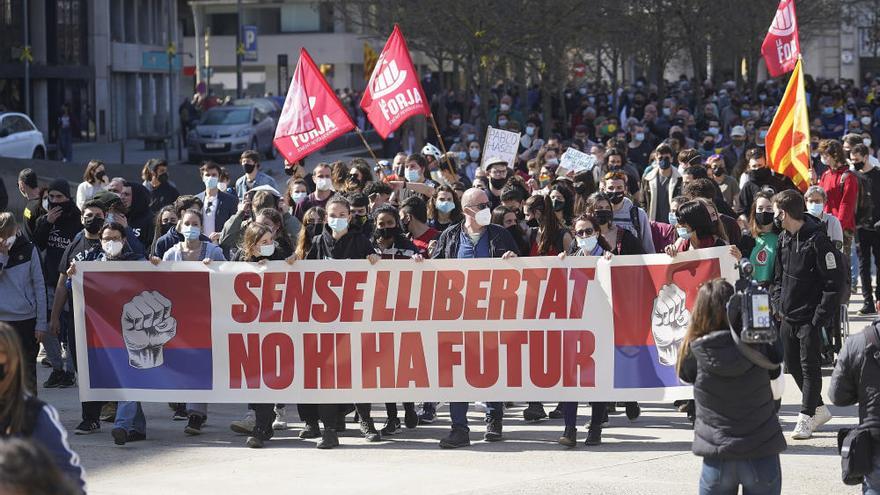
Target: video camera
{"type": "Point", "coordinates": [757, 323]}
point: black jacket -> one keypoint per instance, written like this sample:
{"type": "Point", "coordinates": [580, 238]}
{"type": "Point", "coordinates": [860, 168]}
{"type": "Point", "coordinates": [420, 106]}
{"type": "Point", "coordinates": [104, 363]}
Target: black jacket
{"type": "Point", "coordinates": [848, 386]}
{"type": "Point", "coordinates": [500, 242]}
{"type": "Point", "coordinates": [352, 246]}
{"type": "Point", "coordinates": [140, 219]}
{"type": "Point", "coordinates": [808, 275]}
{"type": "Point", "coordinates": [736, 413]}
{"type": "Point", "coordinates": [53, 238]}
{"type": "Point", "coordinates": [775, 183]}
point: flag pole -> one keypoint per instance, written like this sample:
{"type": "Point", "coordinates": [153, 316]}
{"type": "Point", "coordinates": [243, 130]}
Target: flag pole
{"type": "Point", "coordinates": [440, 140]}
{"type": "Point", "coordinates": [366, 145]}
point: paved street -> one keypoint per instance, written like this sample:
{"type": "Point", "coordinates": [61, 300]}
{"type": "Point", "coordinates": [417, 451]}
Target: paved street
{"type": "Point", "coordinates": [650, 456]}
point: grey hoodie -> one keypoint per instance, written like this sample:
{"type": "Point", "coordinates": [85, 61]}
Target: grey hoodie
{"type": "Point", "coordinates": [22, 287]}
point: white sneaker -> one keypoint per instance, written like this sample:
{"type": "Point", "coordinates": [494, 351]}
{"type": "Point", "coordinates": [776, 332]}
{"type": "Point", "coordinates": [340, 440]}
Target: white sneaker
{"type": "Point", "coordinates": [480, 407]}
{"type": "Point", "coordinates": [246, 425]}
{"type": "Point", "coordinates": [822, 416]}
{"type": "Point", "coordinates": [804, 428]}
{"type": "Point", "coordinates": [279, 423]}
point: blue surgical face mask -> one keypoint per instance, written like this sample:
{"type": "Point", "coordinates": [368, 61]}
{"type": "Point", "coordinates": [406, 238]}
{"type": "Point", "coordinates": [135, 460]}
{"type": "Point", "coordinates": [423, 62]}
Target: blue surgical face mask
{"type": "Point", "coordinates": [211, 182]}
{"type": "Point", "coordinates": [412, 174]}
{"type": "Point", "coordinates": [445, 206]}
{"type": "Point", "coordinates": [587, 244]}
{"type": "Point", "coordinates": [337, 224]}
{"type": "Point", "coordinates": [745, 114]}
{"type": "Point", "coordinates": [640, 136]}
{"type": "Point", "coordinates": [815, 209]}
{"type": "Point", "coordinates": [474, 153]}
{"type": "Point", "coordinates": [762, 134]}
{"type": "Point", "coordinates": [683, 233]}
{"type": "Point", "coordinates": [673, 220]}
{"type": "Point", "coordinates": [462, 155]}
{"type": "Point", "coordinates": [190, 232]}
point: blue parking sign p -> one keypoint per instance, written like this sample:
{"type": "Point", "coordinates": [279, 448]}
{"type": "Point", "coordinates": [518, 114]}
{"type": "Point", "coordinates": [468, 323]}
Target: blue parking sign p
{"type": "Point", "coordinates": [249, 40]}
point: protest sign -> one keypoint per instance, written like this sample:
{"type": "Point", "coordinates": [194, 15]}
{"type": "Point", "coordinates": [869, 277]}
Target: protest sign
{"type": "Point", "coordinates": [541, 328]}
{"type": "Point", "coordinates": [500, 145]}
{"type": "Point", "coordinates": [574, 161]}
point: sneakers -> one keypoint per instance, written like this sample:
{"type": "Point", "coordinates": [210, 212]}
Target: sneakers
{"type": "Point", "coordinates": [391, 426]}
{"type": "Point", "coordinates": [54, 380]}
{"type": "Point", "coordinates": [245, 426]}
{"type": "Point", "coordinates": [119, 435]}
{"type": "Point", "coordinates": [867, 308]}
{"type": "Point", "coordinates": [427, 414]}
{"type": "Point", "coordinates": [594, 436]}
{"type": "Point", "coordinates": [46, 363]}
{"type": "Point", "coordinates": [480, 407]}
{"type": "Point", "coordinates": [194, 424]}
{"type": "Point", "coordinates": [279, 423]}
{"type": "Point", "coordinates": [68, 380]}
{"type": "Point", "coordinates": [569, 437]}
{"type": "Point", "coordinates": [457, 438]}
{"type": "Point", "coordinates": [535, 412]}
{"type": "Point", "coordinates": [328, 440]}
{"type": "Point", "coordinates": [410, 419]}
{"type": "Point", "coordinates": [493, 430]}
{"type": "Point", "coordinates": [556, 413]}
{"type": "Point", "coordinates": [804, 427]}
{"type": "Point", "coordinates": [180, 412]}
{"type": "Point", "coordinates": [633, 411]}
{"type": "Point", "coordinates": [135, 436]}
{"type": "Point", "coordinates": [87, 428]}
{"type": "Point", "coordinates": [368, 428]}
{"type": "Point", "coordinates": [254, 442]}
{"type": "Point", "coordinates": [822, 416]}
{"type": "Point", "coordinates": [108, 412]}
{"type": "Point", "coordinates": [311, 430]}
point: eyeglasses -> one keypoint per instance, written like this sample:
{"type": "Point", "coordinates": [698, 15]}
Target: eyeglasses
{"type": "Point", "coordinates": [584, 232]}
{"type": "Point", "coordinates": [479, 206]}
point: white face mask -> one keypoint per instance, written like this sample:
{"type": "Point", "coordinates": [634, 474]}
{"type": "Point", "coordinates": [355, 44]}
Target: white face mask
{"type": "Point", "coordinates": [530, 130]}
{"type": "Point", "coordinates": [587, 244]}
{"type": "Point", "coordinates": [323, 183]}
{"type": "Point", "coordinates": [222, 186]}
{"type": "Point", "coordinates": [112, 248]}
{"type": "Point", "coordinates": [46, 204]}
{"type": "Point", "coordinates": [267, 250]}
{"type": "Point", "coordinates": [483, 217]}
{"type": "Point", "coordinates": [9, 242]}
{"type": "Point", "coordinates": [456, 122]}
{"type": "Point", "coordinates": [298, 196]}
{"type": "Point", "coordinates": [866, 142]}
{"type": "Point", "coordinates": [504, 107]}
{"type": "Point", "coordinates": [502, 122]}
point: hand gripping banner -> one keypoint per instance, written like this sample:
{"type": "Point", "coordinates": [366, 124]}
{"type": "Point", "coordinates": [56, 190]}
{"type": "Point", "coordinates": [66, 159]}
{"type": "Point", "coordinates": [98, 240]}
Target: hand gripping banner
{"type": "Point", "coordinates": [580, 329]}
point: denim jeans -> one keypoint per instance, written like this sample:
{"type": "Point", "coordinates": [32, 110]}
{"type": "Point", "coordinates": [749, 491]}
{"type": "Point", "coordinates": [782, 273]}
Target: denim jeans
{"type": "Point", "coordinates": [458, 413]}
{"type": "Point", "coordinates": [130, 416]}
{"type": "Point", "coordinates": [598, 413]}
{"type": "Point", "coordinates": [759, 476]}
{"type": "Point", "coordinates": [197, 408]}
{"type": "Point", "coordinates": [871, 486]}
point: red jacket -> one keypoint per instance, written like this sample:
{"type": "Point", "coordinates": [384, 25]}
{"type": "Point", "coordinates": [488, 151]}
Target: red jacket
{"type": "Point", "coordinates": [841, 203]}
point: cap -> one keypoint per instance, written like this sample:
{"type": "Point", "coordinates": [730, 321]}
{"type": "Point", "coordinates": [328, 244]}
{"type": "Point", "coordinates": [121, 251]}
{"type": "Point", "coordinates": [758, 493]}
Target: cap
{"type": "Point", "coordinates": [495, 161]}
{"type": "Point", "coordinates": [738, 131]}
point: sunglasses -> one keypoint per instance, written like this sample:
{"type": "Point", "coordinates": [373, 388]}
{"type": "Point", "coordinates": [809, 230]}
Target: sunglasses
{"type": "Point", "coordinates": [584, 232]}
{"type": "Point", "coordinates": [479, 206]}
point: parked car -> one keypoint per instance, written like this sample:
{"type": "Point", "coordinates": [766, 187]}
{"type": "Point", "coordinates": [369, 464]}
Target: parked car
{"type": "Point", "coordinates": [267, 105]}
{"type": "Point", "coordinates": [224, 132]}
{"type": "Point", "coordinates": [19, 137]}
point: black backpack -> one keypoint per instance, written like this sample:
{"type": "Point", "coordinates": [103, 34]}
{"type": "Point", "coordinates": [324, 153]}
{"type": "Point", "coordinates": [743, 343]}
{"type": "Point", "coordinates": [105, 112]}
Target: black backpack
{"type": "Point", "coordinates": [864, 204]}
{"type": "Point", "coordinates": [856, 445]}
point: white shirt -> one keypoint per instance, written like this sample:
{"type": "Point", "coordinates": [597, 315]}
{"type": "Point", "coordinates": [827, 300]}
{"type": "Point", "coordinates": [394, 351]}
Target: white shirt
{"type": "Point", "coordinates": [86, 191]}
{"type": "Point", "coordinates": [209, 212]}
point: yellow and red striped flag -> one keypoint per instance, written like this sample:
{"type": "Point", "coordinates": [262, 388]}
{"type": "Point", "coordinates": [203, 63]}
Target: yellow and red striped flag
{"type": "Point", "coordinates": [788, 140]}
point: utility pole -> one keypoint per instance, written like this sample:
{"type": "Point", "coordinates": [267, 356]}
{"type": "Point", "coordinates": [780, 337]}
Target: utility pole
{"type": "Point", "coordinates": [239, 51]}
{"type": "Point", "coordinates": [26, 58]}
{"type": "Point", "coordinates": [171, 51]}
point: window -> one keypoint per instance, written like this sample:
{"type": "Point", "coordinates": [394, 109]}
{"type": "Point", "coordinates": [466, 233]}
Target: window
{"type": "Point", "coordinates": [223, 24]}
{"type": "Point", "coordinates": [13, 124]}
{"type": "Point", "coordinates": [300, 18]}
{"type": "Point", "coordinates": [11, 33]}
{"type": "Point", "coordinates": [68, 45]}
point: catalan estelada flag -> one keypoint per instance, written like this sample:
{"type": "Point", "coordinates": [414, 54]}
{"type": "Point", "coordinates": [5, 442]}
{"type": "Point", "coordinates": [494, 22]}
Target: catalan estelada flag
{"type": "Point", "coordinates": [788, 140]}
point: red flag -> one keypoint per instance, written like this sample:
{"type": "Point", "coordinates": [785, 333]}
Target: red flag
{"type": "Point", "coordinates": [394, 93]}
{"type": "Point", "coordinates": [782, 47]}
{"type": "Point", "coordinates": [312, 115]}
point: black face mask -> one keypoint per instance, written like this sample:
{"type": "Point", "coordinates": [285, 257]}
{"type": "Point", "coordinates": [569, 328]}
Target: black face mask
{"type": "Point", "coordinates": [93, 224]}
{"type": "Point", "coordinates": [249, 167]}
{"type": "Point", "coordinates": [616, 197]}
{"type": "Point", "coordinates": [708, 146]}
{"type": "Point", "coordinates": [515, 231]}
{"type": "Point", "coordinates": [764, 218]}
{"type": "Point", "coordinates": [858, 165]}
{"type": "Point", "coordinates": [532, 223]}
{"type": "Point", "coordinates": [314, 229]}
{"type": "Point", "coordinates": [760, 175]}
{"type": "Point", "coordinates": [64, 205]}
{"type": "Point", "coordinates": [100, 176]}
{"type": "Point", "coordinates": [558, 204]}
{"type": "Point", "coordinates": [165, 228]}
{"type": "Point", "coordinates": [498, 183]}
{"type": "Point", "coordinates": [777, 222]}
{"type": "Point", "coordinates": [664, 164]}
{"type": "Point", "coordinates": [163, 178]}
{"type": "Point", "coordinates": [355, 181]}
{"type": "Point", "coordinates": [719, 172]}
{"type": "Point", "coordinates": [388, 232]}
{"type": "Point", "coordinates": [603, 216]}
{"type": "Point", "coordinates": [289, 171]}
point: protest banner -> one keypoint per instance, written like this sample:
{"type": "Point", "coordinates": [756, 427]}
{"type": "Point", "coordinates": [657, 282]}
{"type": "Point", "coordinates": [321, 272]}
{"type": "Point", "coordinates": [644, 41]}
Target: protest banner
{"type": "Point", "coordinates": [500, 145]}
{"type": "Point", "coordinates": [578, 329]}
{"type": "Point", "coordinates": [574, 161]}
{"type": "Point", "coordinates": [312, 115]}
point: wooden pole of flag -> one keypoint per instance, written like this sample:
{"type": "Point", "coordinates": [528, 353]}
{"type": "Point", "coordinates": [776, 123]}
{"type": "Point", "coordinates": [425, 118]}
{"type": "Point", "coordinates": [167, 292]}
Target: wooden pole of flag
{"type": "Point", "coordinates": [440, 140]}
{"type": "Point", "coordinates": [366, 144]}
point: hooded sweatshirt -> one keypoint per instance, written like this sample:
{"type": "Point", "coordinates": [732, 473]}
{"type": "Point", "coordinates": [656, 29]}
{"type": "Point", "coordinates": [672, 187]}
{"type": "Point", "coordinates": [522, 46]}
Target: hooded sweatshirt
{"type": "Point", "coordinates": [22, 285]}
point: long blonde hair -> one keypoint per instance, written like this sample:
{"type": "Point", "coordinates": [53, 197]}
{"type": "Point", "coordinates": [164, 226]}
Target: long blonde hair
{"type": "Point", "coordinates": [709, 314]}
{"type": "Point", "coordinates": [12, 385]}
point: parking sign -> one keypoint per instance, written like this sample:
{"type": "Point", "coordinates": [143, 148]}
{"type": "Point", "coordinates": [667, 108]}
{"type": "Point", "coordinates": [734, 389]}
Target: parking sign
{"type": "Point", "coordinates": [249, 40]}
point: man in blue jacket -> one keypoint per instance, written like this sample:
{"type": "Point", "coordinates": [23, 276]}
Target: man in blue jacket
{"type": "Point", "coordinates": [474, 237]}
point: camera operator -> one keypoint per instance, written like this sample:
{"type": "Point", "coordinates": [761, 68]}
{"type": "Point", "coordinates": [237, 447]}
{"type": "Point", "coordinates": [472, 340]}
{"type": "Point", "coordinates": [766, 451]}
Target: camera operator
{"type": "Point", "coordinates": [807, 282]}
{"type": "Point", "coordinates": [737, 431]}
{"type": "Point", "coordinates": [854, 380]}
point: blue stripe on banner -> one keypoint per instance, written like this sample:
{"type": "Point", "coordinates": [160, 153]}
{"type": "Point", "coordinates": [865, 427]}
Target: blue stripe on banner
{"type": "Point", "coordinates": [183, 369]}
{"type": "Point", "coordinates": [639, 367]}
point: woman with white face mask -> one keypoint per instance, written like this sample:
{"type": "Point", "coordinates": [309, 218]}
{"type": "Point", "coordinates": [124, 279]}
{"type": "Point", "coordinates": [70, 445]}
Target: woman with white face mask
{"type": "Point", "coordinates": [588, 241]}
{"type": "Point", "coordinates": [815, 199]}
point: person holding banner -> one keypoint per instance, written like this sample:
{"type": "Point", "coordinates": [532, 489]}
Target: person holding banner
{"type": "Point", "coordinates": [338, 242]}
{"type": "Point", "coordinates": [627, 215]}
{"type": "Point", "coordinates": [737, 431]}
{"type": "Point", "coordinates": [588, 242]}
{"type": "Point", "coordinates": [475, 237]}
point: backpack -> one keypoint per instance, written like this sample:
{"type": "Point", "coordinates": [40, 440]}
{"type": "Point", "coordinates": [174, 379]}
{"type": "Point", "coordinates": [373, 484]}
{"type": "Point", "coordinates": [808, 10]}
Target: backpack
{"type": "Point", "coordinates": [637, 224]}
{"type": "Point", "coordinates": [856, 445]}
{"type": "Point", "coordinates": [864, 203]}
